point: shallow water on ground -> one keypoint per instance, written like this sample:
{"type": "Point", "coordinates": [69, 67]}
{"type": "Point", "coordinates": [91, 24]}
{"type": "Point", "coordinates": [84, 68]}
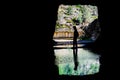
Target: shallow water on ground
{"type": "Point", "coordinates": [88, 62]}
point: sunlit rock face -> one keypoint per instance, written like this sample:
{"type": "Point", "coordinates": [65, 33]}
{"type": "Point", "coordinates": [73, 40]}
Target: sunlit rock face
{"type": "Point", "coordinates": [88, 62]}
{"type": "Point", "coordinates": [84, 17]}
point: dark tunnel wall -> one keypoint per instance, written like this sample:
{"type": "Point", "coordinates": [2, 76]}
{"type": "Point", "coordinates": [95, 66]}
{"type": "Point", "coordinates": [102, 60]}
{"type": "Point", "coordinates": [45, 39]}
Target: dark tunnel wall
{"type": "Point", "coordinates": [38, 21]}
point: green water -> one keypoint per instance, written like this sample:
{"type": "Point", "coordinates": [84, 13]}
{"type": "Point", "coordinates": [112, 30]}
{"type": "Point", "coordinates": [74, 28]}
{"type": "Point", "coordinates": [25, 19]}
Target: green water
{"type": "Point", "coordinates": [88, 62]}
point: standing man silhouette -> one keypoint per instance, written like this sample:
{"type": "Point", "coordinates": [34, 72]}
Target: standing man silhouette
{"type": "Point", "coordinates": [75, 47]}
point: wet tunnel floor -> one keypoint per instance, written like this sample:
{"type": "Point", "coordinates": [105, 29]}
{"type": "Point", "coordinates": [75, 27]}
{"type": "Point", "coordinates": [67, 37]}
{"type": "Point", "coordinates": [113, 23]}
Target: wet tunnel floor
{"type": "Point", "coordinates": [88, 62]}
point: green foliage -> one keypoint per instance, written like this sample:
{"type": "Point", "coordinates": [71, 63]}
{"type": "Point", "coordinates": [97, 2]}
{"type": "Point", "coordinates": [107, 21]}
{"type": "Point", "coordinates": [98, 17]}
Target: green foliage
{"type": "Point", "coordinates": [69, 10]}
{"type": "Point", "coordinates": [80, 19]}
{"type": "Point", "coordinates": [69, 21]}
{"type": "Point", "coordinates": [94, 17]}
{"type": "Point", "coordinates": [57, 25]}
{"type": "Point", "coordinates": [75, 15]}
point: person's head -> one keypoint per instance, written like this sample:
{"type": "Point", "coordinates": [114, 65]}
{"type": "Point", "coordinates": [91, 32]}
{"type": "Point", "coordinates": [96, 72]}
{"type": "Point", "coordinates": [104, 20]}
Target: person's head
{"type": "Point", "coordinates": [74, 27]}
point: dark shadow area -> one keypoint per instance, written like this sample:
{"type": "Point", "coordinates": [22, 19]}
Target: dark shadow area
{"type": "Point", "coordinates": [33, 45]}
{"type": "Point", "coordinates": [36, 52]}
{"type": "Point", "coordinates": [85, 77]}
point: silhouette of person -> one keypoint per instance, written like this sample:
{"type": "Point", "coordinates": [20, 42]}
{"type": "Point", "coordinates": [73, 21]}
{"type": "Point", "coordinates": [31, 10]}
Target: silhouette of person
{"type": "Point", "coordinates": [75, 47]}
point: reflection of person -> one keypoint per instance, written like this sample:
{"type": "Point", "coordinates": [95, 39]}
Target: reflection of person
{"type": "Point", "coordinates": [75, 47]}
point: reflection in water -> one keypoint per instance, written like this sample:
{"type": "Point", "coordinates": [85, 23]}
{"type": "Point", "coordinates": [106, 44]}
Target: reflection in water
{"type": "Point", "coordinates": [75, 47]}
{"type": "Point", "coordinates": [88, 62]}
